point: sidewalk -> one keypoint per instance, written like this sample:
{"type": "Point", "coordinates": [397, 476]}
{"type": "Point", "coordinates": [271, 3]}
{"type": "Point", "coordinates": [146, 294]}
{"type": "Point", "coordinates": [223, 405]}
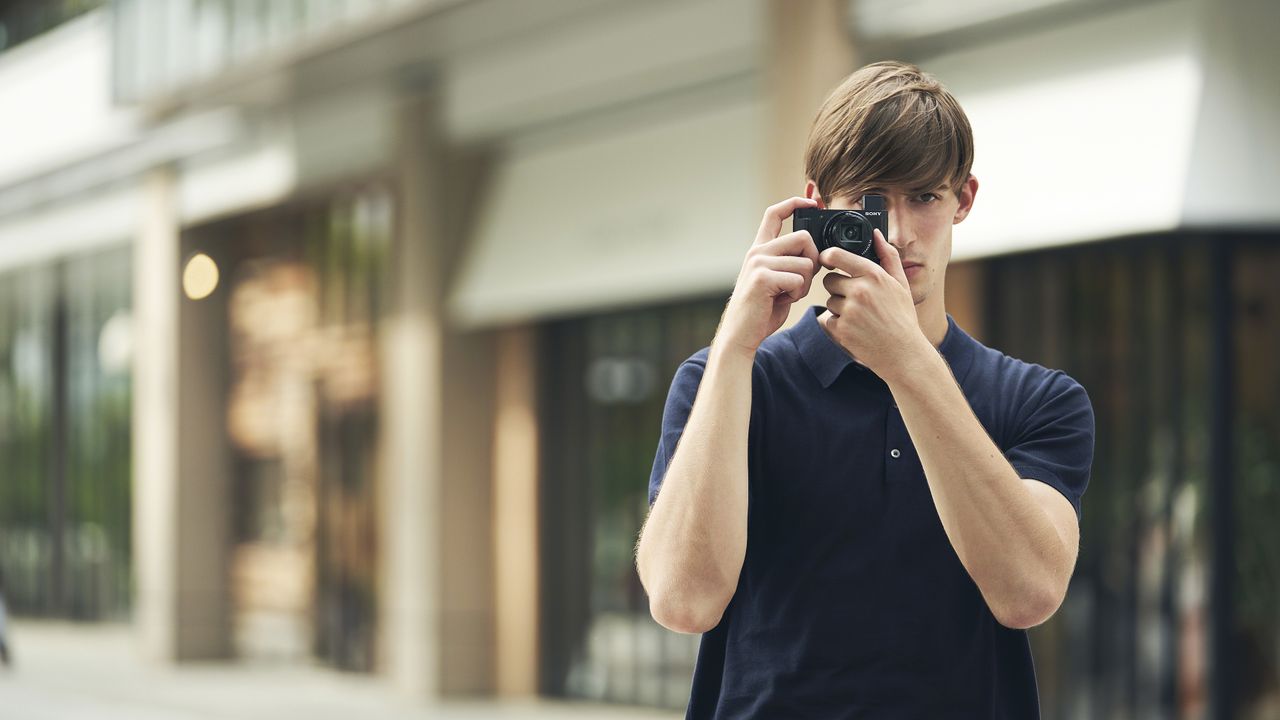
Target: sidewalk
{"type": "Point", "coordinates": [66, 670]}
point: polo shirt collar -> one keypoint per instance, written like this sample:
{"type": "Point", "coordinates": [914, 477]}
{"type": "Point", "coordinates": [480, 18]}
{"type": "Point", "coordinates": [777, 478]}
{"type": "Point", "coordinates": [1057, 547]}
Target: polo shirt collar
{"type": "Point", "coordinates": [827, 359]}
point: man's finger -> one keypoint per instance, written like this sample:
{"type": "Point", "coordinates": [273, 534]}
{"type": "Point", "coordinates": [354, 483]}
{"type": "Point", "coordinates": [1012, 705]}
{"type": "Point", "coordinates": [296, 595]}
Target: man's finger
{"type": "Point", "coordinates": [889, 258]}
{"type": "Point", "coordinates": [797, 243]}
{"type": "Point", "coordinates": [771, 225]}
{"type": "Point", "coordinates": [836, 283]}
{"type": "Point", "coordinates": [789, 263]}
{"type": "Point", "coordinates": [837, 258]}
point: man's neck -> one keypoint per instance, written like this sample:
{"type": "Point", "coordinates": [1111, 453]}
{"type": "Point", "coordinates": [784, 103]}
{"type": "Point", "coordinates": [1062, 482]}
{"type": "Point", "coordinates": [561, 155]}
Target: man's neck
{"type": "Point", "coordinates": [932, 317]}
{"type": "Point", "coordinates": [933, 321]}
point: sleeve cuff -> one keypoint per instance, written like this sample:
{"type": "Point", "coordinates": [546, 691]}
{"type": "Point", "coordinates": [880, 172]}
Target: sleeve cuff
{"type": "Point", "coordinates": [1050, 478]}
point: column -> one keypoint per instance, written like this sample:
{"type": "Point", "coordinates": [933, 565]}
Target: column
{"type": "Point", "coordinates": [155, 413]}
{"type": "Point", "coordinates": [808, 52]}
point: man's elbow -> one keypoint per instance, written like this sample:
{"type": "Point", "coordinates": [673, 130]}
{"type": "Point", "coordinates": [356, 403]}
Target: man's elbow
{"type": "Point", "coordinates": [684, 609]}
{"type": "Point", "coordinates": [685, 616]}
{"type": "Point", "coordinates": [1030, 609]}
{"type": "Point", "coordinates": [683, 603]}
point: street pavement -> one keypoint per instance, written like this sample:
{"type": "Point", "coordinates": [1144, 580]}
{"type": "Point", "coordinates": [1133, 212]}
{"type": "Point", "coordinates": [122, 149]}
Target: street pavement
{"type": "Point", "coordinates": [69, 671]}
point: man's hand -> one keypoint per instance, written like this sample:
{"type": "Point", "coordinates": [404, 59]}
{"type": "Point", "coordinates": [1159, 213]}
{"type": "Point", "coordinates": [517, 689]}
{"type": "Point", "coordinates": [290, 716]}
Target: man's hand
{"type": "Point", "coordinates": [872, 314]}
{"type": "Point", "coordinates": [777, 272]}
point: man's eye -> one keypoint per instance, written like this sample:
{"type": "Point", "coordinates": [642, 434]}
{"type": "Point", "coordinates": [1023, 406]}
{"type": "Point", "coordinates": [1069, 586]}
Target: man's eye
{"type": "Point", "coordinates": [927, 197]}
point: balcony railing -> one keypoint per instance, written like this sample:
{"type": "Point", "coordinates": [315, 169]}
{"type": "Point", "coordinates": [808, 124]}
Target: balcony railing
{"type": "Point", "coordinates": [21, 20]}
{"type": "Point", "coordinates": [163, 46]}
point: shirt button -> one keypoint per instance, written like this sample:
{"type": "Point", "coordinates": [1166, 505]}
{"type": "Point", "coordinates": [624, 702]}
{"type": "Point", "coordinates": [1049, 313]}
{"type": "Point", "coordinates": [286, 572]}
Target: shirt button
{"type": "Point", "coordinates": [896, 453]}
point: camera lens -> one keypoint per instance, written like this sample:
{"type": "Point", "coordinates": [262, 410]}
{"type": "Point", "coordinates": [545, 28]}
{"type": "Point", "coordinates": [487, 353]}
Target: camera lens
{"type": "Point", "coordinates": [851, 231]}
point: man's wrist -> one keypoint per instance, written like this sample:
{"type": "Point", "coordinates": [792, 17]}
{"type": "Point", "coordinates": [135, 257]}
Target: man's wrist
{"type": "Point", "coordinates": [727, 351]}
{"type": "Point", "coordinates": [919, 363]}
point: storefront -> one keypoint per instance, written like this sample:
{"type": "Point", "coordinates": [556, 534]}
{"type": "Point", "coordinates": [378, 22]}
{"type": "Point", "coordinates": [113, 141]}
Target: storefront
{"type": "Point", "coordinates": [293, 324]}
{"type": "Point", "coordinates": [65, 353]}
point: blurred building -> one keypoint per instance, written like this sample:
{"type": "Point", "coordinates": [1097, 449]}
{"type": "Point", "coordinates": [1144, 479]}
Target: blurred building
{"type": "Point", "coordinates": [339, 330]}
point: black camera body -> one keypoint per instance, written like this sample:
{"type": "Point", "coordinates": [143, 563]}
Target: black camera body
{"type": "Point", "coordinates": [848, 229]}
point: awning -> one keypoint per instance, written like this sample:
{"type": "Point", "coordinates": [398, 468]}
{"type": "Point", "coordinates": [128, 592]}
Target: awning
{"type": "Point", "coordinates": [1158, 117]}
{"type": "Point", "coordinates": [643, 212]}
{"type": "Point", "coordinates": [1081, 133]}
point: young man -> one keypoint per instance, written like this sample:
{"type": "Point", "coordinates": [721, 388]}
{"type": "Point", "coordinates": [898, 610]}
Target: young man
{"type": "Point", "coordinates": [863, 513]}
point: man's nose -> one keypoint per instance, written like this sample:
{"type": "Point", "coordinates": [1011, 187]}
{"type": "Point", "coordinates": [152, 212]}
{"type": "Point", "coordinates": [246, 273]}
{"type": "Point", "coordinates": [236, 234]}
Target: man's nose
{"type": "Point", "coordinates": [895, 232]}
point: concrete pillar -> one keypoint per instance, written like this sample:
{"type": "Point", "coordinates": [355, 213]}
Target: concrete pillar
{"type": "Point", "coordinates": [515, 513]}
{"type": "Point", "coordinates": [155, 413]}
{"type": "Point", "coordinates": [436, 588]}
{"type": "Point", "coordinates": [181, 463]}
{"type": "Point", "coordinates": [410, 340]}
{"type": "Point", "coordinates": [437, 591]}
{"type": "Point", "coordinates": [809, 51]}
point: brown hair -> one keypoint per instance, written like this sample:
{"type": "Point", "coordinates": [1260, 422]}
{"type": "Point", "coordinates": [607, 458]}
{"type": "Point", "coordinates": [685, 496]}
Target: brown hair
{"type": "Point", "coordinates": [889, 125]}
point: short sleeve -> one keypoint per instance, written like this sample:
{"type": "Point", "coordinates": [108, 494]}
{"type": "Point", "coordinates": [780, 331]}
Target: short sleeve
{"type": "Point", "coordinates": [1053, 441]}
{"type": "Point", "coordinates": [675, 414]}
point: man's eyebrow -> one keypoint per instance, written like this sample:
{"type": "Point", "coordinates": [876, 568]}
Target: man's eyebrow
{"type": "Point", "coordinates": [910, 192]}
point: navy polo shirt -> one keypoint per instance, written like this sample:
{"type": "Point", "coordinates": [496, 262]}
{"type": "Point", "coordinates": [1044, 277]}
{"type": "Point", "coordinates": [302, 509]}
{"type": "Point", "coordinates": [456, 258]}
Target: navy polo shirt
{"type": "Point", "coordinates": [852, 602]}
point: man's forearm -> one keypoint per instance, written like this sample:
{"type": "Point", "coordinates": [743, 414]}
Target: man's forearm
{"type": "Point", "coordinates": [1005, 540]}
{"type": "Point", "coordinates": [694, 541]}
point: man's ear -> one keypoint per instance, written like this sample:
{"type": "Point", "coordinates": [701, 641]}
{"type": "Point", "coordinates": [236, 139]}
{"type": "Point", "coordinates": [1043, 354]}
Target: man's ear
{"type": "Point", "coordinates": [811, 192]}
{"type": "Point", "coordinates": [967, 193]}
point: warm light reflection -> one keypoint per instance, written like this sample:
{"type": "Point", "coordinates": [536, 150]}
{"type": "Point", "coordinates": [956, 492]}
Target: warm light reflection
{"type": "Point", "coordinates": [200, 277]}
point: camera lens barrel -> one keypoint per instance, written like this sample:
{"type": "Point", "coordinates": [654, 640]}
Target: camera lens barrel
{"type": "Point", "coordinates": [849, 230]}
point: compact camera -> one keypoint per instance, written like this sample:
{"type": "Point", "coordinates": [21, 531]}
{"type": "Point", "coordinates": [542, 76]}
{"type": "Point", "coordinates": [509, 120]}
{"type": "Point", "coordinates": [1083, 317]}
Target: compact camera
{"type": "Point", "coordinates": [848, 229]}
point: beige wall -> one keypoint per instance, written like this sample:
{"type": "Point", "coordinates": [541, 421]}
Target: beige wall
{"type": "Point", "coordinates": [467, 626]}
{"type": "Point", "coordinates": [515, 512]}
{"type": "Point", "coordinates": [964, 291]}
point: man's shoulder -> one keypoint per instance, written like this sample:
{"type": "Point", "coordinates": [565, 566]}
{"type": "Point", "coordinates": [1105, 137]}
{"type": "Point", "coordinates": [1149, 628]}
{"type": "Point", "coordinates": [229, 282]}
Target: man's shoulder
{"type": "Point", "coordinates": [995, 371]}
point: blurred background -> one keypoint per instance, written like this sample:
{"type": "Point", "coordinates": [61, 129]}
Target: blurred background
{"type": "Point", "coordinates": [335, 334]}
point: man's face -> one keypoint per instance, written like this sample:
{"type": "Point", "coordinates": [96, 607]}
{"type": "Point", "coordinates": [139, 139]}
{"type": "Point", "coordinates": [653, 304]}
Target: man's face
{"type": "Point", "coordinates": [920, 228]}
